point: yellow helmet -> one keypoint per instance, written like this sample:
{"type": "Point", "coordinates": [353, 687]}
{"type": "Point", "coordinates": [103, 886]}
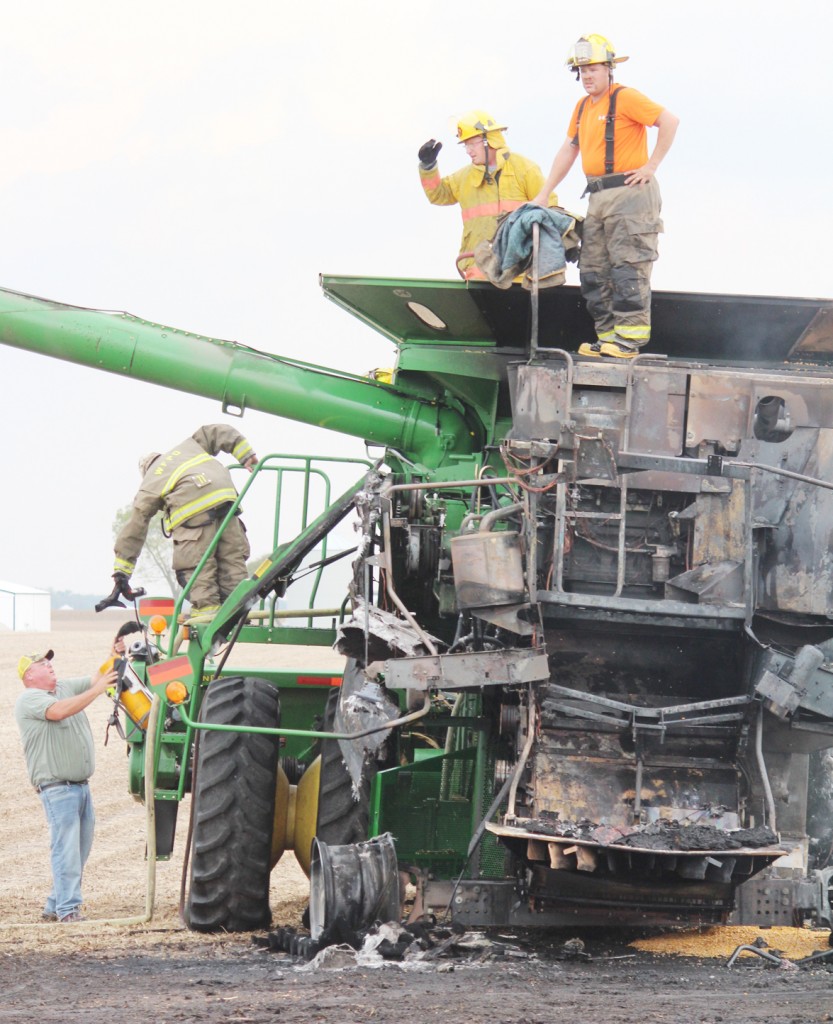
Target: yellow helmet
{"type": "Point", "coordinates": [592, 49]}
{"type": "Point", "coordinates": [478, 122]}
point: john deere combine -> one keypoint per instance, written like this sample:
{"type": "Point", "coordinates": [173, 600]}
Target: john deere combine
{"type": "Point", "coordinates": [587, 623]}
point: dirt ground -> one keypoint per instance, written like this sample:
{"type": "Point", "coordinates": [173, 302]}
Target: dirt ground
{"type": "Point", "coordinates": [111, 968]}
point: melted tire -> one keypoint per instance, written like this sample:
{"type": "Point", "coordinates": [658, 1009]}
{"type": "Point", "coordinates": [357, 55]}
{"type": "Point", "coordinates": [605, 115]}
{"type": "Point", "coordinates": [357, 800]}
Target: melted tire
{"type": "Point", "coordinates": [342, 819]}
{"type": "Point", "coordinates": [234, 804]}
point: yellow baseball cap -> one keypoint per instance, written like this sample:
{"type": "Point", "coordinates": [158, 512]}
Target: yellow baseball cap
{"type": "Point", "coordinates": [30, 659]}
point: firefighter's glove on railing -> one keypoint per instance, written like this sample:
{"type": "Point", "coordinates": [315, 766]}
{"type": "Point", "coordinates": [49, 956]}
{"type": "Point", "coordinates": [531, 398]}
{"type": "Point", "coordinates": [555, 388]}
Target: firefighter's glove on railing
{"type": "Point", "coordinates": [428, 152]}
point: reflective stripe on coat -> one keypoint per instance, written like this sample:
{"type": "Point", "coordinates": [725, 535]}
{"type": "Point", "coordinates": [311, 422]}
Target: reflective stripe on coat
{"type": "Point", "coordinates": [481, 201]}
{"type": "Point", "coordinates": [183, 483]}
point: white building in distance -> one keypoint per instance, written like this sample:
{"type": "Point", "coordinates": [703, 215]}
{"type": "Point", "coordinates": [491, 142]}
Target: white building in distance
{"type": "Point", "coordinates": [24, 609]}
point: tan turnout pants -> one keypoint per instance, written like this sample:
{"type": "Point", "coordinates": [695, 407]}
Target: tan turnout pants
{"type": "Point", "coordinates": [224, 570]}
{"type": "Point", "coordinates": [619, 244]}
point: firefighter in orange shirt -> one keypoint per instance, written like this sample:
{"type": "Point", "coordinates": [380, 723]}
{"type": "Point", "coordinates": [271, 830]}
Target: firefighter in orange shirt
{"type": "Point", "coordinates": [620, 231]}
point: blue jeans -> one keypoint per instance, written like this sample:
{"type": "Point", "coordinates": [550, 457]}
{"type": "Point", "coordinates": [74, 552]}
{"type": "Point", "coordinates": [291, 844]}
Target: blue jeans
{"type": "Point", "coordinates": [71, 818]}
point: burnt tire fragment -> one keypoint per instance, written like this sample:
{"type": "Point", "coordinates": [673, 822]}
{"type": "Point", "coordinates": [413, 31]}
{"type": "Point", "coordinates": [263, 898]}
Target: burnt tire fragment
{"type": "Point", "coordinates": [234, 804]}
{"type": "Point", "coordinates": [342, 818]}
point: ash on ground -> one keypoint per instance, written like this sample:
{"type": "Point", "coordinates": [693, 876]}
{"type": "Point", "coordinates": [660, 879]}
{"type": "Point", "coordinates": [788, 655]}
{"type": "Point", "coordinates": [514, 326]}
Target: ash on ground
{"type": "Point", "coordinates": [421, 945]}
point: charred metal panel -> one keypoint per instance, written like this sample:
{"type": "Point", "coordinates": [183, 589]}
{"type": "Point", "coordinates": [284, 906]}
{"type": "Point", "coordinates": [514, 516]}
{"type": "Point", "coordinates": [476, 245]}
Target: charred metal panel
{"type": "Point", "coordinates": [627, 900]}
{"type": "Point", "coordinates": [797, 563]}
{"type": "Point", "coordinates": [595, 460]}
{"type": "Point", "coordinates": [487, 569]}
{"type": "Point", "coordinates": [510, 617]}
{"type": "Point", "coordinates": [601, 373]}
{"type": "Point", "coordinates": [676, 483]}
{"type": "Point", "coordinates": [540, 400]}
{"type": "Point", "coordinates": [660, 614]}
{"type": "Point", "coordinates": [778, 899]}
{"type": "Point", "coordinates": [718, 583]}
{"type": "Point", "coordinates": [780, 697]}
{"type": "Point", "coordinates": [655, 425]}
{"type": "Point", "coordinates": [808, 402]}
{"type": "Point", "coordinates": [543, 404]}
{"type": "Point", "coordinates": [718, 410]}
{"type": "Point", "coordinates": [788, 682]}
{"type": "Point", "coordinates": [464, 671]}
{"type": "Point", "coordinates": [482, 903]}
{"type": "Point", "coordinates": [594, 410]}
{"type": "Point", "coordinates": [772, 494]}
{"type": "Point", "coordinates": [720, 527]}
{"type": "Point", "coordinates": [723, 406]}
{"type": "Point", "coordinates": [783, 680]}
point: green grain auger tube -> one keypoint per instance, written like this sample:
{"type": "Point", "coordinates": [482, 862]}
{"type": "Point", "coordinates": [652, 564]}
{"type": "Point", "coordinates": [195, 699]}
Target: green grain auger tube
{"type": "Point", "coordinates": [588, 622]}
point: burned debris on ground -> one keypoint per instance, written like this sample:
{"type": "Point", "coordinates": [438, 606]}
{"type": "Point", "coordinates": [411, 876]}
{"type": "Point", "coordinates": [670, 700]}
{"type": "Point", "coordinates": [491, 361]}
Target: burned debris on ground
{"type": "Point", "coordinates": [777, 958]}
{"type": "Point", "coordinates": [425, 942]}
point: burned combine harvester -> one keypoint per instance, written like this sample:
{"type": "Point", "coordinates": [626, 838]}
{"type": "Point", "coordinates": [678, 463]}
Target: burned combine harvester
{"type": "Point", "coordinates": [590, 668]}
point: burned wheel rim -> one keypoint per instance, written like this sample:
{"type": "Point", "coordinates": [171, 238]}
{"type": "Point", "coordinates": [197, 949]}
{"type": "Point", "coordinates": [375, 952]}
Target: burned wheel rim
{"type": "Point", "coordinates": [352, 886]}
{"type": "Point", "coordinates": [234, 804]}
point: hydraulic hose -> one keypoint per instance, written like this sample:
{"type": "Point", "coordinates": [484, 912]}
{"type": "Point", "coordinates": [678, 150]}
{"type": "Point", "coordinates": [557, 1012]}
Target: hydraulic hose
{"type": "Point", "coordinates": [759, 754]}
{"type": "Point", "coordinates": [519, 768]}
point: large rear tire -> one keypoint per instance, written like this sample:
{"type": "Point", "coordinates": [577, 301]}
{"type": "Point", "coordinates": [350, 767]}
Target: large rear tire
{"type": "Point", "coordinates": [234, 806]}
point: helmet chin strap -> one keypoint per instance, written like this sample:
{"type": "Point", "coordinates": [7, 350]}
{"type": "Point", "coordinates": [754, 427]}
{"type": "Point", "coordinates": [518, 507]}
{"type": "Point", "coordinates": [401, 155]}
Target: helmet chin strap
{"type": "Point", "coordinates": [487, 177]}
{"type": "Point", "coordinates": [577, 72]}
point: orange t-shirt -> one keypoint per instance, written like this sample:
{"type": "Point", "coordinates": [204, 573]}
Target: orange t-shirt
{"type": "Point", "coordinates": [630, 142]}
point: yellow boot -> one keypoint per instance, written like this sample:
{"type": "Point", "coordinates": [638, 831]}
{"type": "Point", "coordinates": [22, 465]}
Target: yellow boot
{"type": "Point", "coordinates": [597, 349]}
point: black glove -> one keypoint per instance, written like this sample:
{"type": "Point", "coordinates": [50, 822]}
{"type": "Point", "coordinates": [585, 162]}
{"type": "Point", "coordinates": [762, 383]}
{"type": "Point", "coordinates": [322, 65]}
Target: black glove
{"type": "Point", "coordinates": [428, 152]}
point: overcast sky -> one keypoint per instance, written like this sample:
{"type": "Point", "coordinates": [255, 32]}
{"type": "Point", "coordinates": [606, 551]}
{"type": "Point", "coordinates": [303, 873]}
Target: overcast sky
{"type": "Point", "coordinates": [200, 163]}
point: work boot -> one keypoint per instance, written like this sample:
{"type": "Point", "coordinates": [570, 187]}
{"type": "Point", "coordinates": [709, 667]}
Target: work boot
{"type": "Point", "coordinates": [201, 616]}
{"type": "Point", "coordinates": [49, 915]}
{"type": "Point", "coordinates": [72, 917]}
{"type": "Point", "coordinates": [597, 349]}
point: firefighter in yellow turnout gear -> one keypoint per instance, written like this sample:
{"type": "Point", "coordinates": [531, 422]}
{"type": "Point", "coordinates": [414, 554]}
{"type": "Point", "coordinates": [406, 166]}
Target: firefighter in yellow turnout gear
{"type": "Point", "coordinates": [194, 491]}
{"type": "Point", "coordinates": [496, 182]}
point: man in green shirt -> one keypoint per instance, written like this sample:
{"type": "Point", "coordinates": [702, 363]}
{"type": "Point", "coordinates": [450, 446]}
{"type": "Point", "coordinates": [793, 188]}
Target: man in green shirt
{"type": "Point", "coordinates": [60, 757]}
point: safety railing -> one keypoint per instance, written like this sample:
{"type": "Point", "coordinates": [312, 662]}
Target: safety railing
{"type": "Point", "coordinates": [311, 469]}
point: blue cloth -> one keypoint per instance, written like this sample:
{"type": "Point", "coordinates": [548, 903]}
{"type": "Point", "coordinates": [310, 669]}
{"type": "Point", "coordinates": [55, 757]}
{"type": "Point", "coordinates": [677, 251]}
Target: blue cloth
{"type": "Point", "coordinates": [512, 245]}
{"type": "Point", "coordinates": [69, 812]}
